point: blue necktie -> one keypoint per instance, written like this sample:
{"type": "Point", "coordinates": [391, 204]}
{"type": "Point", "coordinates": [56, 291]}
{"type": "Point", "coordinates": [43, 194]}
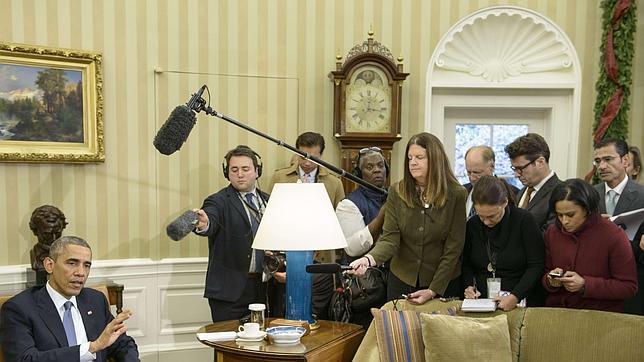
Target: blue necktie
{"type": "Point", "coordinates": [68, 324]}
{"type": "Point", "coordinates": [254, 225]}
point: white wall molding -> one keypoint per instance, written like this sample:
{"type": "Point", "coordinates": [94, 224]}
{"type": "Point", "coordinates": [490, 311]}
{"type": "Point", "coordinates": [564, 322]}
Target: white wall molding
{"type": "Point", "coordinates": [502, 42]}
{"type": "Point", "coordinates": [503, 49]}
{"type": "Point", "coordinates": [165, 296]}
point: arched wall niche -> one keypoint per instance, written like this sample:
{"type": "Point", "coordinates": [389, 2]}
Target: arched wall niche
{"type": "Point", "coordinates": [507, 60]}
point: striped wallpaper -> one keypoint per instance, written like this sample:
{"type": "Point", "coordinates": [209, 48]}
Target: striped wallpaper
{"type": "Point", "coordinates": [266, 64]}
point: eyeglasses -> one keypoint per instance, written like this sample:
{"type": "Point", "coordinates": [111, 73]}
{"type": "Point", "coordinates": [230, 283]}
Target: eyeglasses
{"type": "Point", "coordinates": [519, 169]}
{"type": "Point", "coordinates": [367, 149]}
{"type": "Point", "coordinates": [607, 159]}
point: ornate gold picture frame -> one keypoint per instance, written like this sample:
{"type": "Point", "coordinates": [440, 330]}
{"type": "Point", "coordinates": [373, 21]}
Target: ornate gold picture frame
{"type": "Point", "coordinates": [51, 105]}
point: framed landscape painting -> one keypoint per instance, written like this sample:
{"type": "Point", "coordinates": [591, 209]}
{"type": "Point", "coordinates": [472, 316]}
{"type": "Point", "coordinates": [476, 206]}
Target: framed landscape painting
{"type": "Point", "coordinates": [51, 105]}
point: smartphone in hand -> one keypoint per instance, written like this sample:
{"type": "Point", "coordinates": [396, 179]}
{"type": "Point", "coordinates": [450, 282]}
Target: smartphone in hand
{"type": "Point", "coordinates": [554, 274]}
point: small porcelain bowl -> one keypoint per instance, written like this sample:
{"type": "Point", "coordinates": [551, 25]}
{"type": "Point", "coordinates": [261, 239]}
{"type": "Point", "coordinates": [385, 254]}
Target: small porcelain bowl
{"type": "Point", "coordinates": [285, 334]}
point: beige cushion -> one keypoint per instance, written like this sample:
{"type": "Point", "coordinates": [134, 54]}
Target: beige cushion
{"type": "Point", "coordinates": [450, 338]}
{"type": "Point", "coordinates": [556, 334]}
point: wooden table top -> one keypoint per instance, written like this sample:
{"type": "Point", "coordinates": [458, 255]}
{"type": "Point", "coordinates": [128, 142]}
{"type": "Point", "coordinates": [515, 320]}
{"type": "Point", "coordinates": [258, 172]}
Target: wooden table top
{"type": "Point", "coordinates": [329, 331]}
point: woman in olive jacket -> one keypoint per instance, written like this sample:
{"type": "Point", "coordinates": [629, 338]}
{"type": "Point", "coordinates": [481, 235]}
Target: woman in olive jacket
{"type": "Point", "coordinates": [424, 227]}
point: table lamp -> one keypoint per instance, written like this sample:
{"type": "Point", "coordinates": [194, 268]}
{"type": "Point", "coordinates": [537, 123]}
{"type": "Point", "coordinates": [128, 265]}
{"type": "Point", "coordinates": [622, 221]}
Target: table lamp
{"type": "Point", "coordinates": [299, 219]}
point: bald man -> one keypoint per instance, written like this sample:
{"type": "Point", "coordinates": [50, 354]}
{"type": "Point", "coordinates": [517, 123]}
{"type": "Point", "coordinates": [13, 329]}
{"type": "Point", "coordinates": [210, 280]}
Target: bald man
{"type": "Point", "coordinates": [479, 162]}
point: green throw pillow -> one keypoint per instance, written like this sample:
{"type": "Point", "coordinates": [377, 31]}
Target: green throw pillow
{"type": "Point", "coordinates": [450, 338]}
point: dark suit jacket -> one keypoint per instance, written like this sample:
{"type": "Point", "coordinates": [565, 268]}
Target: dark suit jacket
{"type": "Point", "coordinates": [539, 205]}
{"type": "Point", "coordinates": [31, 329]}
{"type": "Point", "coordinates": [632, 198]}
{"type": "Point", "coordinates": [229, 245]}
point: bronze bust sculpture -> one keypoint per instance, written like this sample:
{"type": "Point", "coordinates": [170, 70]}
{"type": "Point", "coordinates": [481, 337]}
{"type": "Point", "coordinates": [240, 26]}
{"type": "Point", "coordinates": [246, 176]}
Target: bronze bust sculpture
{"type": "Point", "coordinates": [47, 223]}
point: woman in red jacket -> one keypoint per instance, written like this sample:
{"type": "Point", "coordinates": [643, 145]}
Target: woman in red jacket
{"type": "Point", "coordinates": [592, 254]}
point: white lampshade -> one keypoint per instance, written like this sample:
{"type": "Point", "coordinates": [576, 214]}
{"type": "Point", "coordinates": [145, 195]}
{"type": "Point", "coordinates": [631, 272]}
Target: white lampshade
{"type": "Point", "coordinates": [299, 216]}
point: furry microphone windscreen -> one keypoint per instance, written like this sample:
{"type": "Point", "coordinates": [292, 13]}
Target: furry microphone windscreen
{"type": "Point", "coordinates": [175, 130]}
{"type": "Point", "coordinates": [182, 226]}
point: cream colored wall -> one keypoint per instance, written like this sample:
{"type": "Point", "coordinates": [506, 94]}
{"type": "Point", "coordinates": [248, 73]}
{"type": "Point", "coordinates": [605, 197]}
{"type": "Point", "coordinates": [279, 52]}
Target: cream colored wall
{"type": "Point", "coordinates": [266, 63]}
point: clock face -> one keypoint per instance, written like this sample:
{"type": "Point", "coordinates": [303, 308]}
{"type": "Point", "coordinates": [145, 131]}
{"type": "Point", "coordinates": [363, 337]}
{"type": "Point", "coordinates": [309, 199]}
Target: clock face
{"type": "Point", "coordinates": [368, 101]}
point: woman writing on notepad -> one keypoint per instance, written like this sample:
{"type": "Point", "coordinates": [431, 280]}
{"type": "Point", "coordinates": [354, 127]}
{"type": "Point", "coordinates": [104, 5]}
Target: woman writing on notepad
{"type": "Point", "coordinates": [503, 254]}
{"type": "Point", "coordinates": [592, 254]}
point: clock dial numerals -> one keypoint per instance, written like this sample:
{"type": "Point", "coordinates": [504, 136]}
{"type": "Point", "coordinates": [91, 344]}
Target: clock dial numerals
{"type": "Point", "coordinates": [368, 109]}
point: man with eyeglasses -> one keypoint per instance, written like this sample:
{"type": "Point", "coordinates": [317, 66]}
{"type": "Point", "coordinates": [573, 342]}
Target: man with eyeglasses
{"type": "Point", "coordinates": [479, 162]}
{"type": "Point", "coordinates": [529, 155]}
{"type": "Point", "coordinates": [619, 194]}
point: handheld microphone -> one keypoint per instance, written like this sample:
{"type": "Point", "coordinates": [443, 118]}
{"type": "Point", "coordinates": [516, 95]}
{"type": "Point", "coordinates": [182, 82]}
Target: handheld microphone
{"type": "Point", "coordinates": [182, 226]}
{"type": "Point", "coordinates": [327, 268]}
{"type": "Point", "coordinates": [177, 127]}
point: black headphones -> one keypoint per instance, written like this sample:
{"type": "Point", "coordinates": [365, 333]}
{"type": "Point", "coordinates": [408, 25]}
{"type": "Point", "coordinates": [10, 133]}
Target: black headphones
{"type": "Point", "coordinates": [356, 169]}
{"type": "Point", "coordinates": [242, 150]}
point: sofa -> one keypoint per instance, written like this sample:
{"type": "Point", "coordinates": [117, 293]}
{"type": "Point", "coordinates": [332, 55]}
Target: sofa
{"type": "Point", "coordinates": [544, 334]}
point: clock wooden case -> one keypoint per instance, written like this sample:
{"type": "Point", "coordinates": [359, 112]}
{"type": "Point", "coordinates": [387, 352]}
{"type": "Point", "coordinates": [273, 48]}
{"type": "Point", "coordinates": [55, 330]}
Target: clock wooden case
{"type": "Point", "coordinates": [367, 97]}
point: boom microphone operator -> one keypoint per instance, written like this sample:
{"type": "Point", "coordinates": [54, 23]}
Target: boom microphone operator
{"type": "Point", "coordinates": [182, 226]}
{"type": "Point", "coordinates": [326, 268]}
{"type": "Point", "coordinates": [177, 127]}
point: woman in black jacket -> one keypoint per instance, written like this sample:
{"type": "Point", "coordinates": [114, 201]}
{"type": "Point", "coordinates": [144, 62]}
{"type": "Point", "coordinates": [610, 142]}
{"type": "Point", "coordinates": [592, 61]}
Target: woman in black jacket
{"type": "Point", "coordinates": [504, 242]}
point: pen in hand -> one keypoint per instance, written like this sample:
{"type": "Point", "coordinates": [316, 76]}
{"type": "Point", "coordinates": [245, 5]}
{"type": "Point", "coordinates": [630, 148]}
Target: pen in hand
{"type": "Point", "coordinates": [475, 289]}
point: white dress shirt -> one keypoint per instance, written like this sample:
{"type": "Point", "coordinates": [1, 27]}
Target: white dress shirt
{"type": "Point", "coordinates": [311, 174]}
{"type": "Point", "coordinates": [359, 239]}
{"type": "Point", "coordinates": [79, 327]}
{"type": "Point", "coordinates": [618, 190]}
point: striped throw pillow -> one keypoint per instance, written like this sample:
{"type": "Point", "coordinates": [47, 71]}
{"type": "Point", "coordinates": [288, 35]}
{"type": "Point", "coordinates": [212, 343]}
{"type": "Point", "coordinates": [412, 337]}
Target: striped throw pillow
{"type": "Point", "coordinates": [399, 335]}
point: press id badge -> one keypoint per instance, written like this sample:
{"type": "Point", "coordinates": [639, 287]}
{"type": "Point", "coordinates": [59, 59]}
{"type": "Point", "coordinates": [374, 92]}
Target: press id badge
{"type": "Point", "coordinates": [493, 287]}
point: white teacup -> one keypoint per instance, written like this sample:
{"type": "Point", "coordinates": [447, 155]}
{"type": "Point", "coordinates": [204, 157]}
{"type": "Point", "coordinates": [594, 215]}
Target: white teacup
{"type": "Point", "coordinates": [249, 329]}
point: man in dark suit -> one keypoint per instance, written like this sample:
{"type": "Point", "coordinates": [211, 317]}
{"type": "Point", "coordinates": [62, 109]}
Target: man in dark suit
{"type": "Point", "coordinates": [619, 194]}
{"type": "Point", "coordinates": [63, 321]}
{"type": "Point", "coordinates": [479, 162]}
{"type": "Point", "coordinates": [230, 219]}
{"type": "Point", "coordinates": [530, 157]}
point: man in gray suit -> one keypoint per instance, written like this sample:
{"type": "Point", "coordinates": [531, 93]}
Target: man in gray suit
{"type": "Point", "coordinates": [529, 155]}
{"type": "Point", "coordinates": [619, 194]}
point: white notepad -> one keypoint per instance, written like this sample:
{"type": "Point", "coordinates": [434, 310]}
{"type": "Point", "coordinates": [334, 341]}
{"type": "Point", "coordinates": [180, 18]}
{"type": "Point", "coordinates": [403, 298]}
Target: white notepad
{"type": "Point", "coordinates": [478, 305]}
{"type": "Point", "coordinates": [629, 221]}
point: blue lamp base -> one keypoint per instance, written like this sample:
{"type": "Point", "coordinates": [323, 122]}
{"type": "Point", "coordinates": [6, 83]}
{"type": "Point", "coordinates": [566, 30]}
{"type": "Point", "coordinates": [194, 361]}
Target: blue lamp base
{"type": "Point", "coordinates": [298, 286]}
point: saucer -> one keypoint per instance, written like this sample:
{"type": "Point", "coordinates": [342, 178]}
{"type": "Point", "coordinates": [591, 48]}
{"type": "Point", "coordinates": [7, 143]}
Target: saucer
{"type": "Point", "coordinates": [242, 336]}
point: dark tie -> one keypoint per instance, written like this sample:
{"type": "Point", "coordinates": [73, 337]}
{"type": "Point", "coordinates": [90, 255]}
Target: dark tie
{"type": "Point", "coordinates": [526, 201]}
{"type": "Point", "coordinates": [68, 324]}
{"type": "Point", "coordinates": [472, 212]}
{"type": "Point", "coordinates": [254, 225]}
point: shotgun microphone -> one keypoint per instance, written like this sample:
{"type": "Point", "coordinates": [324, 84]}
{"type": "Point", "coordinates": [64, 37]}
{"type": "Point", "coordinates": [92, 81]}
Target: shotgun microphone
{"type": "Point", "coordinates": [177, 127]}
{"type": "Point", "coordinates": [326, 268]}
{"type": "Point", "coordinates": [182, 226]}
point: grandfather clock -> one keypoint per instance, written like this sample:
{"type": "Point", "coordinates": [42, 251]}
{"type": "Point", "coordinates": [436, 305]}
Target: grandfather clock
{"type": "Point", "coordinates": [366, 101]}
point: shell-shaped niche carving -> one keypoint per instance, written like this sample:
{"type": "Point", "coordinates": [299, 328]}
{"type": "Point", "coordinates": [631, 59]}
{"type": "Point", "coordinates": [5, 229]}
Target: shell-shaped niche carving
{"type": "Point", "coordinates": [500, 45]}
